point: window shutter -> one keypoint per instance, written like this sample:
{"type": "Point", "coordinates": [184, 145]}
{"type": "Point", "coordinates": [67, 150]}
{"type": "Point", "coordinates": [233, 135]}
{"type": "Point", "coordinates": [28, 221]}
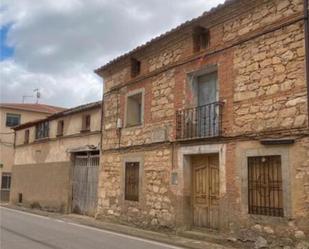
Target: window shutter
{"type": "Point", "coordinates": [132, 181]}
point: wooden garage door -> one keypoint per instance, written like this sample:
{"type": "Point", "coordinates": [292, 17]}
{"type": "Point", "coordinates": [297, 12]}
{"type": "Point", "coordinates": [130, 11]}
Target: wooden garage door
{"type": "Point", "coordinates": [205, 176]}
{"type": "Point", "coordinates": [85, 183]}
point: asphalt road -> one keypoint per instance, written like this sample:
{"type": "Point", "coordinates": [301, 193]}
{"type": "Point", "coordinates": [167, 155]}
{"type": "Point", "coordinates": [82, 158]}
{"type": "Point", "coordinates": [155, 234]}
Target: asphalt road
{"type": "Point", "coordinates": [20, 230]}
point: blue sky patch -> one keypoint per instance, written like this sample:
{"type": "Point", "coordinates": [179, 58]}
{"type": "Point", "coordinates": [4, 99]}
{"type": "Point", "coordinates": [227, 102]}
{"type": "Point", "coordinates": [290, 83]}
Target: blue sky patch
{"type": "Point", "coordinates": [5, 50]}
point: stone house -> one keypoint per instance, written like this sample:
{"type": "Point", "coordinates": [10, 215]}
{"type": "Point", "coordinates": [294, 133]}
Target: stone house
{"type": "Point", "coordinates": [206, 126]}
{"type": "Point", "coordinates": [56, 161]}
{"type": "Point", "coordinates": [12, 114]}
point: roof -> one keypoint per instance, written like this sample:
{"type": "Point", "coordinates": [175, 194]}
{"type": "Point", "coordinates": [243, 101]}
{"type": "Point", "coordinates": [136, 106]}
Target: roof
{"type": "Point", "coordinates": [76, 109]}
{"type": "Point", "coordinates": [63, 113]}
{"type": "Point", "coordinates": [164, 35]}
{"type": "Point", "coordinates": [41, 108]}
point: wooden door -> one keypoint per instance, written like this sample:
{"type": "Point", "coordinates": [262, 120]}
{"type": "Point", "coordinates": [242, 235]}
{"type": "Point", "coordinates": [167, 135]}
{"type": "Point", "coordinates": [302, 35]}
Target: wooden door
{"type": "Point", "coordinates": [85, 184]}
{"type": "Point", "coordinates": [205, 176]}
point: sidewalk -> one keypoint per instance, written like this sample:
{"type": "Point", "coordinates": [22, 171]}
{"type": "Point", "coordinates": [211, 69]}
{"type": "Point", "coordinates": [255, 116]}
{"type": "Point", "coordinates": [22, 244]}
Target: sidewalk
{"type": "Point", "coordinates": [171, 239]}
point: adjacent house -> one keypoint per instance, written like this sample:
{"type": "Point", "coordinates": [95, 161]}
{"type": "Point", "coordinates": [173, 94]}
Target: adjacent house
{"type": "Point", "coordinates": [11, 115]}
{"type": "Point", "coordinates": [47, 150]}
{"type": "Point", "coordinates": [206, 126]}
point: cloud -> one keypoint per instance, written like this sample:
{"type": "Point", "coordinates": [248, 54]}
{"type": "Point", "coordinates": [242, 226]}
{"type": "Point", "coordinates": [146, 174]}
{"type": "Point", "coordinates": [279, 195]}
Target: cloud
{"type": "Point", "coordinates": [61, 89]}
{"type": "Point", "coordinates": [58, 44]}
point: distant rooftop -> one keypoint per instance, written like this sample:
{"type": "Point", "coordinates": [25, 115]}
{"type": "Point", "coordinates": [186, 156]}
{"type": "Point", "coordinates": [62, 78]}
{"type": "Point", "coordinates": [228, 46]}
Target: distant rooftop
{"type": "Point", "coordinates": [48, 109]}
{"type": "Point", "coordinates": [62, 113]}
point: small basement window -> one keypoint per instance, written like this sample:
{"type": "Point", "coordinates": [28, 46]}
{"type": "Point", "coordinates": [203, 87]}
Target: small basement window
{"type": "Point", "coordinates": [27, 135]}
{"type": "Point", "coordinates": [132, 181]}
{"type": "Point", "coordinates": [42, 130]}
{"type": "Point", "coordinates": [135, 67]}
{"type": "Point", "coordinates": [201, 38]}
{"type": "Point", "coordinates": [134, 110]}
{"type": "Point", "coordinates": [60, 128]}
{"type": "Point", "coordinates": [86, 122]}
{"type": "Point", "coordinates": [12, 119]}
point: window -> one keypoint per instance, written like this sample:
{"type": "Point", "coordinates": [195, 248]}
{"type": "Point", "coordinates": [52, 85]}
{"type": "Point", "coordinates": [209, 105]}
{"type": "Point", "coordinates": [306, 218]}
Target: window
{"type": "Point", "coordinates": [12, 119]}
{"type": "Point", "coordinates": [27, 135]}
{"type": "Point", "coordinates": [86, 123]}
{"type": "Point", "coordinates": [134, 109]}
{"type": "Point", "coordinates": [265, 185]}
{"type": "Point", "coordinates": [201, 38]}
{"type": "Point", "coordinates": [131, 181]}
{"type": "Point", "coordinates": [60, 128]}
{"type": "Point", "coordinates": [135, 67]}
{"type": "Point", "coordinates": [6, 181]}
{"type": "Point", "coordinates": [42, 130]}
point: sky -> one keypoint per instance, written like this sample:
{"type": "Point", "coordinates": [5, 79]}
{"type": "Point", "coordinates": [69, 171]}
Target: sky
{"type": "Point", "coordinates": [55, 46]}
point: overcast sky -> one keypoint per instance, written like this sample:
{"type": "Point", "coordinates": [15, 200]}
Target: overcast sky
{"type": "Point", "coordinates": [55, 45]}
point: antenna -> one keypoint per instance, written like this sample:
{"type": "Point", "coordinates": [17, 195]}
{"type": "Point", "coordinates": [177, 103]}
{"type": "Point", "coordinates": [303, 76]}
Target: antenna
{"type": "Point", "coordinates": [38, 94]}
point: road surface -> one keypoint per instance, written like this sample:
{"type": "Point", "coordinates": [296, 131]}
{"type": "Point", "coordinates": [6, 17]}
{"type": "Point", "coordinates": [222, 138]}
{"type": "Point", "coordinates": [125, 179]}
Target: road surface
{"type": "Point", "coordinates": [20, 230]}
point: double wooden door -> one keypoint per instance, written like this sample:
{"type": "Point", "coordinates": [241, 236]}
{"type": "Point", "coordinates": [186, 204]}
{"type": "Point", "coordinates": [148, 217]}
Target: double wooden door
{"type": "Point", "coordinates": [85, 183]}
{"type": "Point", "coordinates": [205, 191]}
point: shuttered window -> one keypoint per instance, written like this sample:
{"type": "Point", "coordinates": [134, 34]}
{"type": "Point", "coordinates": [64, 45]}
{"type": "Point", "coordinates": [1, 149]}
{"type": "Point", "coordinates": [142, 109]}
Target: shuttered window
{"type": "Point", "coordinates": [86, 122]}
{"type": "Point", "coordinates": [27, 135]}
{"type": "Point", "coordinates": [60, 128]}
{"type": "Point", "coordinates": [132, 181]}
{"type": "Point", "coordinates": [265, 185]}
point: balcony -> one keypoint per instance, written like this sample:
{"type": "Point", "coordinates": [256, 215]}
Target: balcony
{"type": "Point", "coordinates": [199, 122]}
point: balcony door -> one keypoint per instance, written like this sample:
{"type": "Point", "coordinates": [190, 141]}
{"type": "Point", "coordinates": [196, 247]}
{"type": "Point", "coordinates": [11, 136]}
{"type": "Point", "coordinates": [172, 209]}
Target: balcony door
{"type": "Point", "coordinates": [207, 112]}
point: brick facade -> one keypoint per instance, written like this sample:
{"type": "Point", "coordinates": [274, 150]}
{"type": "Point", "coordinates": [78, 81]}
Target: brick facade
{"type": "Point", "coordinates": [257, 50]}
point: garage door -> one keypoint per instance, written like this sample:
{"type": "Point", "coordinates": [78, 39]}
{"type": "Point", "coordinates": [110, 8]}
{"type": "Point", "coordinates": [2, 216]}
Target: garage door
{"type": "Point", "coordinates": [85, 182]}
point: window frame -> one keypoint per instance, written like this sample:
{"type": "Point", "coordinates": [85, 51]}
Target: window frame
{"type": "Point", "coordinates": [201, 38]}
{"type": "Point", "coordinates": [132, 158]}
{"type": "Point", "coordinates": [131, 94]}
{"type": "Point", "coordinates": [27, 136]}
{"type": "Point", "coordinates": [85, 119]}
{"type": "Point", "coordinates": [45, 134]}
{"type": "Point", "coordinates": [258, 173]}
{"type": "Point", "coordinates": [136, 66]}
{"type": "Point", "coordinates": [127, 195]}
{"type": "Point", "coordinates": [60, 128]}
{"type": "Point", "coordinates": [9, 181]}
{"type": "Point", "coordinates": [12, 114]}
{"type": "Point", "coordinates": [286, 170]}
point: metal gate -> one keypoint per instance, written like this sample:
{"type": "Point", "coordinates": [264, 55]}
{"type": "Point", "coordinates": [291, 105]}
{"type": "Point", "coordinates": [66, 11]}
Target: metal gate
{"type": "Point", "coordinates": [85, 183]}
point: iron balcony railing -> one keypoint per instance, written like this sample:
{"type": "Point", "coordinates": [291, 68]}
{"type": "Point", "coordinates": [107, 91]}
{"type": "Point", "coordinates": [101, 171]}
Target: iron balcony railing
{"type": "Point", "coordinates": [199, 122]}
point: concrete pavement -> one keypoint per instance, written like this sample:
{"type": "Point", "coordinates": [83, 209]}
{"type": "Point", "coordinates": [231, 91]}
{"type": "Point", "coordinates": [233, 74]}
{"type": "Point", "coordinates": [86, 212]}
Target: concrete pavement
{"type": "Point", "coordinates": [20, 230]}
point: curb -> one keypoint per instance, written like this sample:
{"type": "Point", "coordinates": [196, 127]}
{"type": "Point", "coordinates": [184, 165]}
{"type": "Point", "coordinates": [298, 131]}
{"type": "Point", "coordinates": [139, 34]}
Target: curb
{"type": "Point", "coordinates": [170, 239]}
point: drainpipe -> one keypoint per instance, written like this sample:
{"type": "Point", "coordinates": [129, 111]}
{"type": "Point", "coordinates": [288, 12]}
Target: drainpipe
{"type": "Point", "coordinates": [307, 50]}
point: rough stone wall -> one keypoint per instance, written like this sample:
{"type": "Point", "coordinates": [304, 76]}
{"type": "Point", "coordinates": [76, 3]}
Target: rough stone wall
{"type": "Point", "coordinates": [261, 83]}
{"type": "Point", "coordinates": [268, 12]}
{"type": "Point", "coordinates": [154, 208]}
{"type": "Point", "coordinates": [301, 182]}
{"type": "Point", "coordinates": [270, 90]}
{"type": "Point", "coordinates": [178, 46]}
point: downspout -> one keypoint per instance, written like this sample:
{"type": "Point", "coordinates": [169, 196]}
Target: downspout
{"type": "Point", "coordinates": [307, 50]}
{"type": "Point", "coordinates": [101, 126]}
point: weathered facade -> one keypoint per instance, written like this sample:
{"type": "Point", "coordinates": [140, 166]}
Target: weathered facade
{"type": "Point", "coordinates": [12, 114]}
{"type": "Point", "coordinates": [46, 153]}
{"type": "Point", "coordinates": [207, 125]}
